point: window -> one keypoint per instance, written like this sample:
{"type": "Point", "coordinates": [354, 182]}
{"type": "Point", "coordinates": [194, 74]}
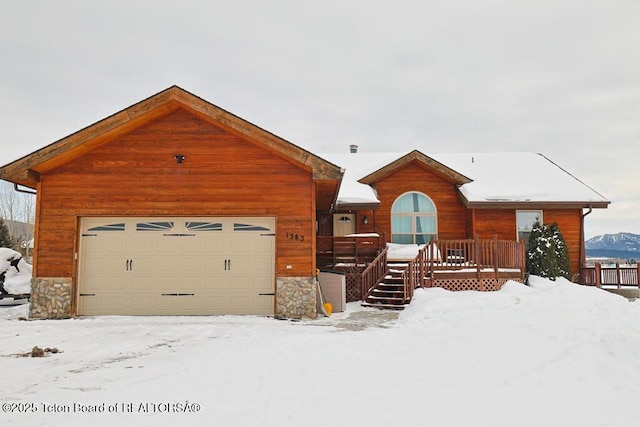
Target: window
{"type": "Point", "coordinates": [525, 221]}
{"type": "Point", "coordinates": [203, 226]}
{"type": "Point", "coordinates": [109, 227]}
{"type": "Point", "coordinates": [154, 226]}
{"type": "Point", "coordinates": [413, 219]}
{"type": "Point", "coordinates": [248, 227]}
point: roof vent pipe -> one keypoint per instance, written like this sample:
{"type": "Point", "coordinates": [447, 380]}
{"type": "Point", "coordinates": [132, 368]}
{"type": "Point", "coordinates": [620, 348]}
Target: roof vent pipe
{"type": "Point", "coordinates": [353, 148]}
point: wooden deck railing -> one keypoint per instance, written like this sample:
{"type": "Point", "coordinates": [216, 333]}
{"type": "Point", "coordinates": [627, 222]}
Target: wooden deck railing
{"type": "Point", "coordinates": [332, 250]}
{"type": "Point", "coordinates": [411, 279]}
{"type": "Point", "coordinates": [476, 253]}
{"type": "Point", "coordinates": [479, 255]}
{"type": "Point", "coordinates": [610, 276]}
{"type": "Point", "coordinates": [374, 273]}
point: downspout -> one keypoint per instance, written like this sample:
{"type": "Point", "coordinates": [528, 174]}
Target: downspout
{"type": "Point", "coordinates": [19, 190]}
{"type": "Point", "coordinates": [583, 249]}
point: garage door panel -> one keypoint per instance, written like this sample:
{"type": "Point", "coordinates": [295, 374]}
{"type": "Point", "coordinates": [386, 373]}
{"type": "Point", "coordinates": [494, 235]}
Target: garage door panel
{"type": "Point", "coordinates": [128, 264]}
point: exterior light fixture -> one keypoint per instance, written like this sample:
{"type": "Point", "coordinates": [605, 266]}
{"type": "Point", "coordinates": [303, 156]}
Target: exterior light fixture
{"type": "Point", "coordinates": [179, 158]}
{"type": "Point", "coordinates": [365, 220]}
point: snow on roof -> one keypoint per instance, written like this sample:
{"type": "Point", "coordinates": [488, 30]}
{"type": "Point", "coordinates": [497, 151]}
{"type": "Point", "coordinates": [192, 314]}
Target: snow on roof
{"type": "Point", "coordinates": [497, 177]}
{"type": "Point", "coordinates": [517, 177]}
{"type": "Point", "coordinates": [358, 165]}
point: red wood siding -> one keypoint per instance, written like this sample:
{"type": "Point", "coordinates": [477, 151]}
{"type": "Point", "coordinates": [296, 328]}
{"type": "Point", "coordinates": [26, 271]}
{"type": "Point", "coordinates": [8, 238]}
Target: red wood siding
{"type": "Point", "coordinates": [569, 222]}
{"type": "Point", "coordinates": [452, 214]}
{"type": "Point", "coordinates": [136, 175]}
{"type": "Point", "coordinates": [489, 222]}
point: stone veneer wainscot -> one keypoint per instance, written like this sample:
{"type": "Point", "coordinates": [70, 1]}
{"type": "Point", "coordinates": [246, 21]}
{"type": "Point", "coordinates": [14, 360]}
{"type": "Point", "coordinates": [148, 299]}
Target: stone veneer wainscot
{"type": "Point", "coordinates": [296, 297]}
{"type": "Point", "coordinates": [50, 298]}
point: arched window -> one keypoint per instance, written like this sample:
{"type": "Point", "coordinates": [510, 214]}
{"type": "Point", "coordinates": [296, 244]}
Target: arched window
{"type": "Point", "coordinates": [413, 219]}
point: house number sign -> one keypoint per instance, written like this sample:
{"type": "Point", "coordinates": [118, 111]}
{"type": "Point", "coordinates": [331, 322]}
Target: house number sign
{"type": "Point", "coordinates": [294, 236]}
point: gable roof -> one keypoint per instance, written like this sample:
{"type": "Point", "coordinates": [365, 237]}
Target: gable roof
{"type": "Point", "coordinates": [484, 180]}
{"type": "Point", "coordinates": [520, 180]}
{"type": "Point", "coordinates": [415, 155]}
{"type": "Point", "coordinates": [26, 170]}
{"type": "Point", "coordinates": [362, 170]}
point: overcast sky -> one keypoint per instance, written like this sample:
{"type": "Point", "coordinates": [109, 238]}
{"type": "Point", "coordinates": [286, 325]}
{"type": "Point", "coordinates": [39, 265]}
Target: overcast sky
{"type": "Point", "coordinates": [558, 77]}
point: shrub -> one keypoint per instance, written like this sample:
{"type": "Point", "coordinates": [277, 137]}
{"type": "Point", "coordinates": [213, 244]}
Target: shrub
{"type": "Point", "coordinates": [547, 253]}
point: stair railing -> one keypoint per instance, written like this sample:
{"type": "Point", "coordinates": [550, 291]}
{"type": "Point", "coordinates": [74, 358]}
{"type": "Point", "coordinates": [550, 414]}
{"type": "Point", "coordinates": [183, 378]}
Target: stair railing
{"type": "Point", "coordinates": [410, 279]}
{"type": "Point", "coordinates": [374, 274]}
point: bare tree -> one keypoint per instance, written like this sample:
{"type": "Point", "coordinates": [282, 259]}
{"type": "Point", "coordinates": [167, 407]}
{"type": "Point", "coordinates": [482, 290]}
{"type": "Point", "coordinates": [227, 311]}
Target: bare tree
{"type": "Point", "coordinates": [18, 211]}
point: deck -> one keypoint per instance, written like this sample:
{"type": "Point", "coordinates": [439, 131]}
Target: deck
{"type": "Point", "coordinates": [343, 252]}
{"type": "Point", "coordinates": [468, 264]}
{"type": "Point", "coordinates": [610, 276]}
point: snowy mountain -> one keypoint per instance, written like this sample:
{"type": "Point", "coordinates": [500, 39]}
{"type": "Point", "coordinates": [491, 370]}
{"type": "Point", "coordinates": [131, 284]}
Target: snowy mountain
{"type": "Point", "coordinates": [620, 245]}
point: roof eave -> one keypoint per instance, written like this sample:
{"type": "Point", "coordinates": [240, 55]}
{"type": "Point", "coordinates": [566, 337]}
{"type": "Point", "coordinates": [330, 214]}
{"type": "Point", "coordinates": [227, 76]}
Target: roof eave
{"type": "Point", "coordinates": [415, 155]}
{"type": "Point", "coordinates": [354, 206]}
{"type": "Point", "coordinates": [155, 106]}
{"type": "Point", "coordinates": [511, 204]}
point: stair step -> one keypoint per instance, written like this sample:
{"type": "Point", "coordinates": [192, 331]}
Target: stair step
{"type": "Point", "coordinates": [388, 291]}
{"type": "Point", "coordinates": [402, 265]}
{"type": "Point", "coordinates": [375, 297]}
{"type": "Point", "coordinates": [389, 294]}
{"type": "Point", "coordinates": [383, 306]}
{"type": "Point", "coordinates": [392, 285]}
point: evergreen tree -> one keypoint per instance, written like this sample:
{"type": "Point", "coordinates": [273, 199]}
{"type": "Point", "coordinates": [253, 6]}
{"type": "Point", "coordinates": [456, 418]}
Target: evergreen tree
{"type": "Point", "coordinates": [5, 237]}
{"type": "Point", "coordinates": [547, 253]}
{"type": "Point", "coordinates": [562, 252]}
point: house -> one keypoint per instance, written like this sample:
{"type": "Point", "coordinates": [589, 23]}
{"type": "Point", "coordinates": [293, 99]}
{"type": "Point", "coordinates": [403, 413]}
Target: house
{"type": "Point", "coordinates": [176, 206]}
{"type": "Point", "coordinates": [413, 197]}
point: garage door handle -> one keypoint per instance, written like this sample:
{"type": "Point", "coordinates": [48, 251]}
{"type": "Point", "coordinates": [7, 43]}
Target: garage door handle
{"type": "Point", "coordinates": [227, 264]}
{"type": "Point", "coordinates": [272, 293]}
{"type": "Point", "coordinates": [129, 265]}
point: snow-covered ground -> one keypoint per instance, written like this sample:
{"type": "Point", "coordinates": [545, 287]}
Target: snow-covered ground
{"type": "Point", "coordinates": [553, 354]}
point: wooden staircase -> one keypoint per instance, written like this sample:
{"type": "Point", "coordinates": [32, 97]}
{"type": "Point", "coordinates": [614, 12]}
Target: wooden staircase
{"type": "Point", "coordinates": [389, 294]}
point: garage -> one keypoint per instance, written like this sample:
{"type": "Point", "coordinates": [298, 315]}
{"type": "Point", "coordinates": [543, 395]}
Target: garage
{"type": "Point", "coordinates": [175, 206]}
{"type": "Point", "coordinates": [176, 266]}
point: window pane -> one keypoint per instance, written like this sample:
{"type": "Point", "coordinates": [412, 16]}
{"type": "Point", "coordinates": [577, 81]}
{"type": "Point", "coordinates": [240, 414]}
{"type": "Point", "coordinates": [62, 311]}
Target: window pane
{"type": "Point", "coordinates": [401, 224]}
{"type": "Point", "coordinates": [154, 226]}
{"type": "Point", "coordinates": [523, 237]}
{"type": "Point", "coordinates": [423, 204]}
{"type": "Point", "coordinates": [526, 219]}
{"type": "Point", "coordinates": [404, 239]}
{"type": "Point", "coordinates": [109, 227]}
{"type": "Point", "coordinates": [413, 202]}
{"type": "Point", "coordinates": [403, 204]}
{"type": "Point", "coordinates": [426, 224]}
{"type": "Point", "coordinates": [203, 226]}
{"type": "Point", "coordinates": [248, 227]}
{"type": "Point", "coordinates": [421, 239]}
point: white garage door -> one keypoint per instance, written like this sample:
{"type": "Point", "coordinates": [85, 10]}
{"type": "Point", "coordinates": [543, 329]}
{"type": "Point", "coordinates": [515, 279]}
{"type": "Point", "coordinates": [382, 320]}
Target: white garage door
{"type": "Point", "coordinates": [176, 266]}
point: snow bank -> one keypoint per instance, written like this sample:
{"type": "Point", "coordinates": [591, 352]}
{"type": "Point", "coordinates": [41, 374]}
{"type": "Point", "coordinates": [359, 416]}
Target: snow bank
{"type": "Point", "coordinates": [553, 353]}
{"type": "Point", "coordinates": [408, 252]}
